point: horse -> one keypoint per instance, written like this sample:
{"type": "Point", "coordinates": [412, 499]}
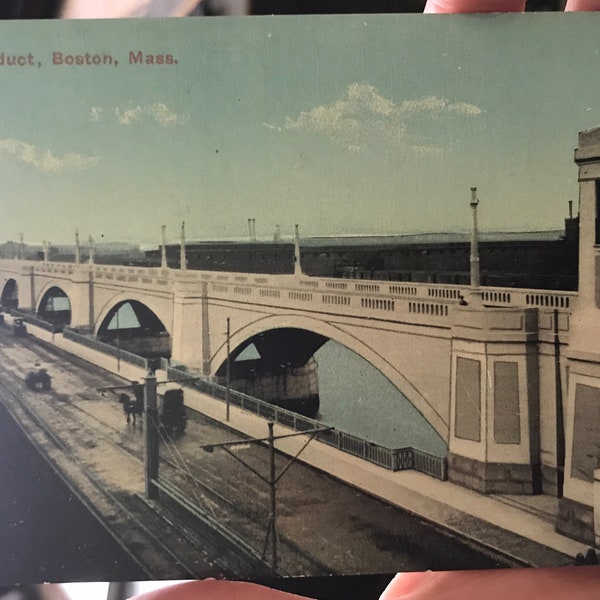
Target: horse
{"type": "Point", "coordinates": [131, 407]}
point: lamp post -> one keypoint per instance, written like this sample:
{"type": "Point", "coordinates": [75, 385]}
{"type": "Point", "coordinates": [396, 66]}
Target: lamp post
{"type": "Point", "coordinates": [77, 248]}
{"type": "Point", "coordinates": [272, 479]}
{"type": "Point", "coordinates": [163, 247]}
{"type": "Point", "coordinates": [182, 256]}
{"type": "Point", "coordinates": [297, 265]}
{"type": "Point", "coordinates": [474, 258]}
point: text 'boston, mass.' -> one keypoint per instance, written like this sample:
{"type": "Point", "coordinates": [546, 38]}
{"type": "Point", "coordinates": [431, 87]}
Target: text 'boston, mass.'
{"type": "Point", "coordinates": [58, 58]}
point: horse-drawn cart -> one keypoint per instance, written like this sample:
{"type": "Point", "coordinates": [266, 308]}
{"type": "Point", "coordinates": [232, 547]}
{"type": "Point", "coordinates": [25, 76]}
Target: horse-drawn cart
{"type": "Point", "coordinates": [172, 417]}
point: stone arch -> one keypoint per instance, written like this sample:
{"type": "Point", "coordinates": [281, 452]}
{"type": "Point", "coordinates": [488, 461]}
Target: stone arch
{"type": "Point", "coordinates": [10, 294]}
{"type": "Point", "coordinates": [124, 297]}
{"type": "Point", "coordinates": [133, 326]}
{"type": "Point", "coordinates": [49, 285]}
{"type": "Point", "coordinates": [354, 343]}
{"type": "Point", "coordinates": [54, 306]}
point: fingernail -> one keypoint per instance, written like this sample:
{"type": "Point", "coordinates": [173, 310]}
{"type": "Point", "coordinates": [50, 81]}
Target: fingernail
{"type": "Point", "coordinates": [402, 584]}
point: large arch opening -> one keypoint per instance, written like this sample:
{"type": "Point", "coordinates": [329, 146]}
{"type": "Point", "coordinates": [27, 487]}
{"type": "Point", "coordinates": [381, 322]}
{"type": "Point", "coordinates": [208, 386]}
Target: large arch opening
{"type": "Point", "coordinates": [133, 326]}
{"type": "Point", "coordinates": [55, 308]}
{"type": "Point", "coordinates": [10, 294]}
{"type": "Point", "coordinates": [317, 376]}
{"type": "Point", "coordinates": [277, 366]}
{"type": "Point", "coordinates": [357, 398]}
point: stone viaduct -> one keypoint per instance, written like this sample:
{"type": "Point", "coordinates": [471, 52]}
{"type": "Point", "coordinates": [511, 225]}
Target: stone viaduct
{"type": "Point", "coordinates": [509, 378]}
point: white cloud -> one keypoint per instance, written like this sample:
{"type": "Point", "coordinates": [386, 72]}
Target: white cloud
{"type": "Point", "coordinates": [438, 107]}
{"type": "Point", "coordinates": [363, 117]}
{"type": "Point", "coordinates": [96, 113]}
{"type": "Point", "coordinates": [272, 127]}
{"type": "Point", "coordinates": [44, 159]}
{"type": "Point", "coordinates": [158, 112]}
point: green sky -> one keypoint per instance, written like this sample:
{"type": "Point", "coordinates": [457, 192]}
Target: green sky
{"type": "Point", "coordinates": [354, 124]}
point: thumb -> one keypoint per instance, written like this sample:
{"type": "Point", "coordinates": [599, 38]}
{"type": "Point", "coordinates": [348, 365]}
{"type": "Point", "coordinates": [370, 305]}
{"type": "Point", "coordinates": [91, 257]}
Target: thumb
{"type": "Point", "coordinates": [212, 589]}
{"type": "Point", "coordinates": [575, 5]}
{"type": "Point", "coordinates": [468, 6]}
{"type": "Point", "coordinates": [562, 583]}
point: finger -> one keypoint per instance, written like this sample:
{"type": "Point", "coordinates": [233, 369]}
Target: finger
{"type": "Point", "coordinates": [572, 583]}
{"type": "Point", "coordinates": [404, 583]}
{"type": "Point", "coordinates": [580, 5]}
{"type": "Point", "coordinates": [212, 589]}
{"type": "Point", "coordinates": [472, 6]}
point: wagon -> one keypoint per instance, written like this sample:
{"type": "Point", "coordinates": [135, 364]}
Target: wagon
{"type": "Point", "coordinates": [172, 417]}
{"type": "Point", "coordinates": [19, 328]}
{"type": "Point", "coordinates": [38, 379]}
{"type": "Point", "coordinates": [172, 414]}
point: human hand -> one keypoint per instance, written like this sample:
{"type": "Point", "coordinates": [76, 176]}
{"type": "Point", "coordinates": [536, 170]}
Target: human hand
{"type": "Point", "coordinates": [479, 6]}
{"type": "Point", "coordinates": [561, 583]}
{"type": "Point", "coordinates": [213, 589]}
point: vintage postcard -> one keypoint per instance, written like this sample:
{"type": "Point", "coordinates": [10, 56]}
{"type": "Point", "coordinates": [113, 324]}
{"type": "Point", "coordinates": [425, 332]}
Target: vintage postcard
{"type": "Point", "coordinates": [298, 296]}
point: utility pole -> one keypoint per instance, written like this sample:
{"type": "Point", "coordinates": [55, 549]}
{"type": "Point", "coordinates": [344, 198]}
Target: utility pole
{"type": "Point", "coordinates": [272, 479]}
{"type": "Point", "coordinates": [272, 527]}
{"type": "Point", "coordinates": [151, 450]}
{"type": "Point", "coordinates": [118, 341]}
{"type": "Point", "coordinates": [228, 371]}
{"type": "Point", "coordinates": [560, 423]}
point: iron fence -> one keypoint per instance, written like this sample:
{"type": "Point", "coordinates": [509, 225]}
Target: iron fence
{"type": "Point", "coordinates": [393, 459]}
{"type": "Point", "coordinates": [94, 344]}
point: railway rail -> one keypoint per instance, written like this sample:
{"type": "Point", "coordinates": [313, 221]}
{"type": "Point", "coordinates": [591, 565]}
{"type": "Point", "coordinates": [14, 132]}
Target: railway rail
{"type": "Point", "coordinates": [132, 523]}
{"type": "Point", "coordinates": [68, 425]}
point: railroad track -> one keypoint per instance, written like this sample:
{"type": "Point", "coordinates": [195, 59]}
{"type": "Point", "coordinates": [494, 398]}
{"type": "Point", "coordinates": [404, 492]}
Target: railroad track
{"type": "Point", "coordinates": [131, 523]}
{"type": "Point", "coordinates": [69, 426]}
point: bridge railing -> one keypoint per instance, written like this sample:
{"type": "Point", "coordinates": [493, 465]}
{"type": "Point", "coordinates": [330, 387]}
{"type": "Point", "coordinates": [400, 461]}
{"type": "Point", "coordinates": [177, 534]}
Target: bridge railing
{"type": "Point", "coordinates": [34, 320]}
{"type": "Point", "coordinates": [377, 296]}
{"type": "Point", "coordinates": [94, 344]}
{"type": "Point", "coordinates": [529, 297]}
{"type": "Point", "coordinates": [391, 300]}
{"type": "Point", "coordinates": [418, 303]}
{"type": "Point", "coordinates": [54, 268]}
{"type": "Point", "coordinates": [388, 458]}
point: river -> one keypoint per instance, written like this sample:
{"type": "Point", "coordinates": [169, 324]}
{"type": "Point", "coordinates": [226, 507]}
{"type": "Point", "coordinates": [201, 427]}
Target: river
{"type": "Point", "coordinates": [359, 399]}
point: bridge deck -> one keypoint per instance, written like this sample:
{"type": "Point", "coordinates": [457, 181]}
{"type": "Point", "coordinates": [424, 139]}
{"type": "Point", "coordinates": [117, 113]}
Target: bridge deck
{"type": "Point", "coordinates": [419, 303]}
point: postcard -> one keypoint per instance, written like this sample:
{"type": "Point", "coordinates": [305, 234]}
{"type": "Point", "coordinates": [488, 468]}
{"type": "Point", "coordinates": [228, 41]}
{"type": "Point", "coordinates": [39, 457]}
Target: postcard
{"type": "Point", "coordinates": [298, 296]}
